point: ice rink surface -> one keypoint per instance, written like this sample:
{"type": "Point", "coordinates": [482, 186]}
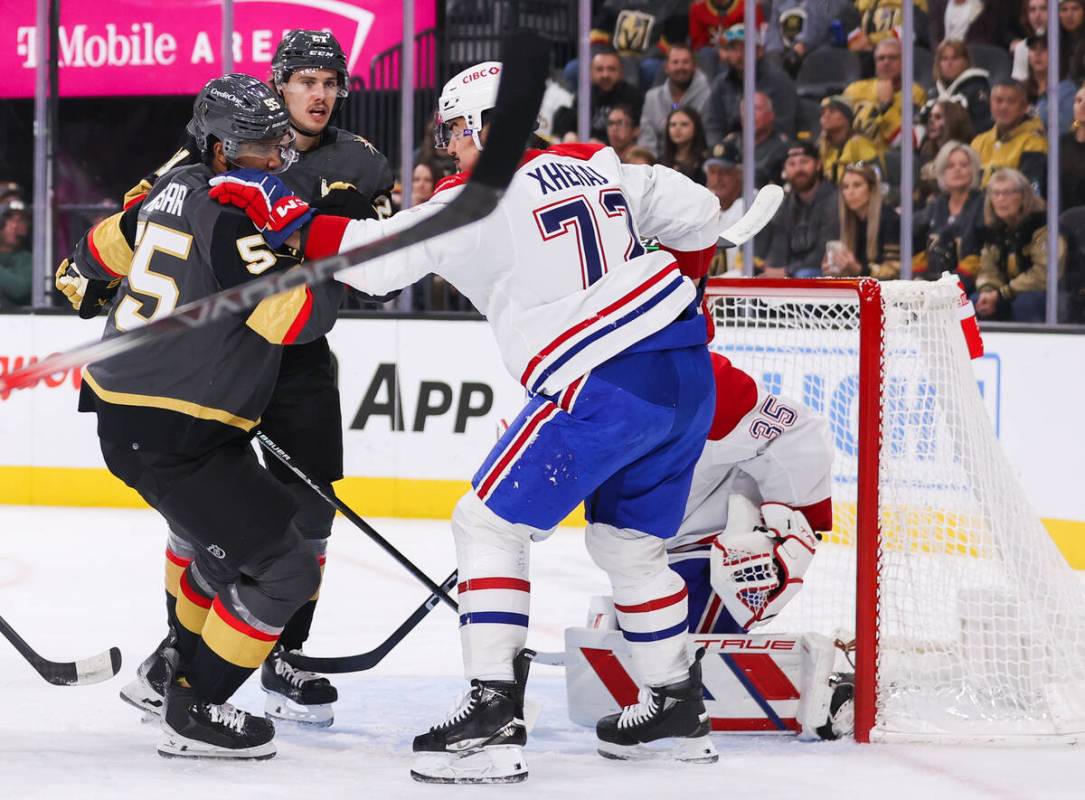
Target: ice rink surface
{"type": "Point", "coordinates": [75, 581]}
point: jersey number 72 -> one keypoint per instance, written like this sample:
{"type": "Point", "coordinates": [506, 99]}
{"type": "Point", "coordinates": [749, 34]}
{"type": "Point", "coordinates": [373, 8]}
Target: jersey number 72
{"type": "Point", "coordinates": [578, 214]}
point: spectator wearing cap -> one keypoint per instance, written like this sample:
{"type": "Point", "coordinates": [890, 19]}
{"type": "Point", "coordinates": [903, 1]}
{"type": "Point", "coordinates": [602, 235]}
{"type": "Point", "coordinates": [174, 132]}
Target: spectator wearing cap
{"type": "Point", "coordinates": [684, 147]}
{"type": "Point", "coordinates": [722, 114]}
{"type": "Point", "coordinates": [723, 177]}
{"type": "Point", "coordinates": [1036, 86]}
{"type": "Point", "coordinates": [869, 228]}
{"type": "Point", "coordinates": [16, 268]}
{"type": "Point", "coordinates": [1016, 140]}
{"type": "Point", "coordinates": [622, 130]}
{"type": "Point", "coordinates": [807, 219]}
{"type": "Point", "coordinates": [770, 146]}
{"type": "Point", "coordinates": [878, 102]}
{"type": "Point", "coordinates": [608, 88]}
{"type": "Point", "coordinates": [685, 87]}
{"type": "Point", "coordinates": [839, 143]}
{"type": "Point", "coordinates": [957, 81]}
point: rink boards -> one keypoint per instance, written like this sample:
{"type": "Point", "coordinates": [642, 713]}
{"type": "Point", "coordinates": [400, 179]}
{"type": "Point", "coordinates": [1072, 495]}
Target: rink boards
{"type": "Point", "coordinates": [424, 400]}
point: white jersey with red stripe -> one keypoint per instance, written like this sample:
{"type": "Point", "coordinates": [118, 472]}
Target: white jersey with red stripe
{"type": "Point", "coordinates": [559, 269]}
{"type": "Point", "coordinates": [766, 447]}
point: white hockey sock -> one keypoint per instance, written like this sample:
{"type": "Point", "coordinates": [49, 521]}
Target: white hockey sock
{"type": "Point", "coordinates": [650, 600]}
{"type": "Point", "coordinates": [494, 592]}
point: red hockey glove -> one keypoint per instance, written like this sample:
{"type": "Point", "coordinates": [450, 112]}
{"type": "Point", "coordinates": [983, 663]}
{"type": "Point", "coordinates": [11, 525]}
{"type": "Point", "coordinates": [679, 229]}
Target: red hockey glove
{"type": "Point", "coordinates": [275, 211]}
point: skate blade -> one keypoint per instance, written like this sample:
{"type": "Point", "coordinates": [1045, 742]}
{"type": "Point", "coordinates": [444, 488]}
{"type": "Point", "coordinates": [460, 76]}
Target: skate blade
{"type": "Point", "coordinates": [494, 764]}
{"type": "Point", "coordinates": [138, 695]}
{"type": "Point", "coordinates": [699, 750]}
{"type": "Point", "coordinates": [173, 745]}
{"type": "Point", "coordinates": [281, 708]}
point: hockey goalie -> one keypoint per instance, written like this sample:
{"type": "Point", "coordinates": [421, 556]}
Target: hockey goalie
{"type": "Point", "coordinates": [760, 498]}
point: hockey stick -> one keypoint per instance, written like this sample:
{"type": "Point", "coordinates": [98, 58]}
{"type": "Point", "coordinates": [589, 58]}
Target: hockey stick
{"type": "Point", "coordinates": [512, 121]}
{"type": "Point", "coordinates": [761, 211]}
{"type": "Point", "coordinates": [85, 671]}
{"type": "Point", "coordinates": [364, 661]}
{"type": "Point", "coordinates": [328, 493]}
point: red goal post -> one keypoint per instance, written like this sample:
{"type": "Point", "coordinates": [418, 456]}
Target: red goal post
{"type": "Point", "coordinates": [967, 623]}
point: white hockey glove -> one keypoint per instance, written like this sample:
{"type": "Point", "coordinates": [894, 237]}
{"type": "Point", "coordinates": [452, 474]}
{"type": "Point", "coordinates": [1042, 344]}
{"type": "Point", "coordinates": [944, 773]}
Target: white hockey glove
{"type": "Point", "coordinates": [758, 562]}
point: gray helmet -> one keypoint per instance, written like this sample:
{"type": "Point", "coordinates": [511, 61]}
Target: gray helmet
{"type": "Point", "coordinates": [303, 49]}
{"type": "Point", "coordinates": [239, 108]}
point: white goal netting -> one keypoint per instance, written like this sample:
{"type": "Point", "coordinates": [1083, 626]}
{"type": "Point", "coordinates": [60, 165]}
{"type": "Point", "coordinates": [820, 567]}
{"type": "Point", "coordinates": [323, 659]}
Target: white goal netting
{"type": "Point", "coordinates": [980, 622]}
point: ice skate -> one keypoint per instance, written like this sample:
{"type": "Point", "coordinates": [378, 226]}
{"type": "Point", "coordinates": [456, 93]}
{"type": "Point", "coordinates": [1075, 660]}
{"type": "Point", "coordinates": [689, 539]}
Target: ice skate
{"type": "Point", "coordinates": [192, 728]}
{"type": "Point", "coordinates": [482, 740]}
{"type": "Point", "coordinates": [841, 720]}
{"type": "Point", "coordinates": [147, 690]}
{"type": "Point", "coordinates": [667, 722]}
{"type": "Point", "coordinates": [295, 695]}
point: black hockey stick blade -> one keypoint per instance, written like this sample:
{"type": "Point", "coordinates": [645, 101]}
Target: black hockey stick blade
{"type": "Point", "coordinates": [95, 669]}
{"type": "Point", "coordinates": [512, 120]}
{"type": "Point", "coordinates": [761, 212]}
{"type": "Point", "coordinates": [363, 661]}
{"type": "Point", "coordinates": [327, 493]}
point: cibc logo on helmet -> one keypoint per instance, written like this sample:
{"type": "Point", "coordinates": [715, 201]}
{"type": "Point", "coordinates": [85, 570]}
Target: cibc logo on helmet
{"type": "Point", "coordinates": [482, 73]}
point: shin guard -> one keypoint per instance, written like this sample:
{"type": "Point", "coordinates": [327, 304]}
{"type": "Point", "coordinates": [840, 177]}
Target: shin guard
{"type": "Point", "coordinates": [494, 592]}
{"type": "Point", "coordinates": [649, 598]}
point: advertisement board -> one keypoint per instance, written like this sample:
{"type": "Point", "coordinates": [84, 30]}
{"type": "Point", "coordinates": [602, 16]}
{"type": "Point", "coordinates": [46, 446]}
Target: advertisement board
{"type": "Point", "coordinates": [140, 47]}
{"type": "Point", "coordinates": [423, 402]}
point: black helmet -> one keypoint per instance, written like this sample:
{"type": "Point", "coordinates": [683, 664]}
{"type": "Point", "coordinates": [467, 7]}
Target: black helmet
{"type": "Point", "coordinates": [302, 49]}
{"type": "Point", "coordinates": [239, 108]}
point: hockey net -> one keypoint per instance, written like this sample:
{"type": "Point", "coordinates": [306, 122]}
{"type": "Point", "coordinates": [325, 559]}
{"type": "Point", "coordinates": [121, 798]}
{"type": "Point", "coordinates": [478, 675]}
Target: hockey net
{"type": "Point", "coordinates": [967, 621]}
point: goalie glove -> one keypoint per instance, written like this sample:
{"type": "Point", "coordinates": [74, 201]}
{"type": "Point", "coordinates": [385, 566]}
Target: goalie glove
{"type": "Point", "coordinates": [275, 211]}
{"type": "Point", "coordinates": [758, 562]}
{"type": "Point", "coordinates": [88, 297]}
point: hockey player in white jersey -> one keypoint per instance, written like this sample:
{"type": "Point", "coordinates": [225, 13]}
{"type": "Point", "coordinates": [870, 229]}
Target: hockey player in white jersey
{"type": "Point", "coordinates": [759, 499]}
{"type": "Point", "coordinates": [609, 341]}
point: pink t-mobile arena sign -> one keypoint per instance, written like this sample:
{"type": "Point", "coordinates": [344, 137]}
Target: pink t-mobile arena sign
{"type": "Point", "coordinates": [125, 47]}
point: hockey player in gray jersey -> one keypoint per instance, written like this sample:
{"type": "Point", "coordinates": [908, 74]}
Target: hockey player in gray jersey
{"type": "Point", "coordinates": [175, 417]}
{"type": "Point", "coordinates": [342, 174]}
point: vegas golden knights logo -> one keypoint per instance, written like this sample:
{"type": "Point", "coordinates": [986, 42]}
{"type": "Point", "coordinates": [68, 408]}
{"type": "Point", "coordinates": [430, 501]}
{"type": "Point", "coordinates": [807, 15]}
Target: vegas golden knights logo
{"type": "Point", "coordinates": [633, 31]}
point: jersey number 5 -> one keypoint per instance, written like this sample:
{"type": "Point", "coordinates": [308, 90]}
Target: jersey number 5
{"type": "Point", "coordinates": [577, 214]}
{"type": "Point", "coordinates": [154, 286]}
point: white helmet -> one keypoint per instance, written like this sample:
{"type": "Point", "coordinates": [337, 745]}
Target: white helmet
{"type": "Point", "coordinates": [467, 95]}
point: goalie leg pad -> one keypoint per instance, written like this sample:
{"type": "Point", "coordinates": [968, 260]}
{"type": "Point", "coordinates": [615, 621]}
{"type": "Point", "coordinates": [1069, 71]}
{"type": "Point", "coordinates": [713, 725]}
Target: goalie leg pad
{"type": "Point", "coordinates": [494, 593]}
{"type": "Point", "coordinates": [763, 683]}
{"type": "Point", "coordinates": [650, 600]}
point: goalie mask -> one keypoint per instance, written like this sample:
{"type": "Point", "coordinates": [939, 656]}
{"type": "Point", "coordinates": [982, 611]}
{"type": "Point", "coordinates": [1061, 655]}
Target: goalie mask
{"type": "Point", "coordinates": [468, 95]}
{"type": "Point", "coordinates": [758, 562]}
{"type": "Point", "coordinates": [246, 116]}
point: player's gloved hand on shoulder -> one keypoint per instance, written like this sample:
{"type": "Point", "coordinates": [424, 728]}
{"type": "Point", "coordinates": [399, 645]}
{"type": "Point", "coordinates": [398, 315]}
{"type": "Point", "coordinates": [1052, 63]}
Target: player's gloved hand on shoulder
{"type": "Point", "coordinates": [87, 296]}
{"type": "Point", "coordinates": [275, 211]}
{"type": "Point", "coordinates": [344, 200]}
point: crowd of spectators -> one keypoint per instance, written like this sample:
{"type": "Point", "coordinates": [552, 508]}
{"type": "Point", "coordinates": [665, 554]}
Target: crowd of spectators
{"type": "Point", "coordinates": [827, 123]}
{"type": "Point", "coordinates": [666, 87]}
